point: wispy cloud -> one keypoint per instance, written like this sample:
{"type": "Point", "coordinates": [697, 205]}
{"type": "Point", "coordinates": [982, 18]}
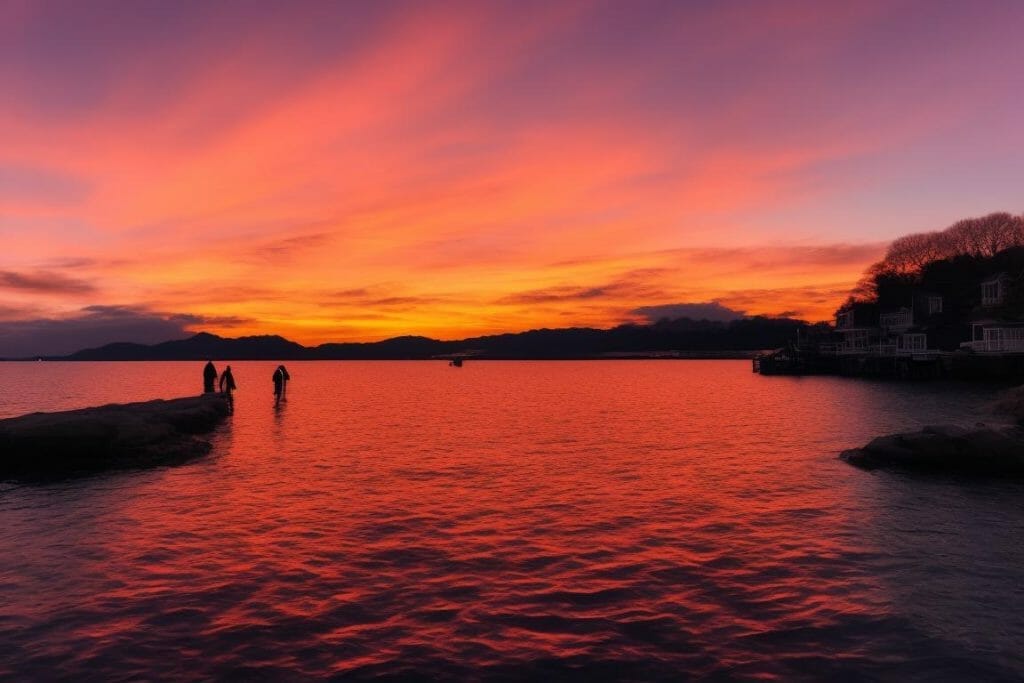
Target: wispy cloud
{"type": "Point", "coordinates": [501, 165]}
{"type": "Point", "coordinates": [43, 282]}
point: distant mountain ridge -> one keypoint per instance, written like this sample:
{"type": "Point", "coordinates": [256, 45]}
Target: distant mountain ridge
{"type": "Point", "coordinates": [680, 335]}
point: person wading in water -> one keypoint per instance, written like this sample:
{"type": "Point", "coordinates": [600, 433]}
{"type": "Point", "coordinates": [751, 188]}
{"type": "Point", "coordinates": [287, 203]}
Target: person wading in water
{"type": "Point", "coordinates": [209, 378]}
{"type": "Point", "coordinates": [227, 385]}
{"type": "Point", "coordinates": [281, 378]}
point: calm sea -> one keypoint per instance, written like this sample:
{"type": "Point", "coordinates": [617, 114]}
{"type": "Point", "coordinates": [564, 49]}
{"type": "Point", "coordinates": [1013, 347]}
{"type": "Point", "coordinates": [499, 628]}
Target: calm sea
{"type": "Point", "coordinates": [631, 520]}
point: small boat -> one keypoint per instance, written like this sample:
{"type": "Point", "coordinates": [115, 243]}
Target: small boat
{"type": "Point", "coordinates": [455, 362]}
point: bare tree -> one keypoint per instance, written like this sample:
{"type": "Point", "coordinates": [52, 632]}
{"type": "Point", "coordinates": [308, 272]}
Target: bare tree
{"type": "Point", "coordinates": [908, 255]}
{"type": "Point", "coordinates": [999, 231]}
{"type": "Point", "coordinates": [982, 237]}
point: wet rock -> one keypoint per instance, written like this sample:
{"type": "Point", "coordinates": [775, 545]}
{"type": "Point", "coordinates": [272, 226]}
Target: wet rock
{"type": "Point", "coordinates": [108, 437]}
{"type": "Point", "coordinates": [946, 448]}
{"type": "Point", "coordinates": [948, 431]}
{"type": "Point", "coordinates": [1012, 403]}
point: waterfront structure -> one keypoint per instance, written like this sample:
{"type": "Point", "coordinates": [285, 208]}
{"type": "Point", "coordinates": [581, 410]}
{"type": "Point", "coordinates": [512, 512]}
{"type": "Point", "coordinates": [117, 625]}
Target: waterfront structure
{"type": "Point", "coordinates": [945, 329]}
{"type": "Point", "coordinates": [857, 328]}
{"type": "Point", "coordinates": [997, 324]}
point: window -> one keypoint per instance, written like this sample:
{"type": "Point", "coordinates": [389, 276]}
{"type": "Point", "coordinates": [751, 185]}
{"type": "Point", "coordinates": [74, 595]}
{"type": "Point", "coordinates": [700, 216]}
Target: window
{"type": "Point", "coordinates": [902, 318]}
{"type": "Point", "coordinates": [1004, 339]}
{"type": "Point", "coordinates": [991, 293]}
{"type": "Point", "coordinates": [934, 305]}
{"type": "Point", "coordinates": [858, 339]}
{"type": "Point", "coordinates": [915, 342]}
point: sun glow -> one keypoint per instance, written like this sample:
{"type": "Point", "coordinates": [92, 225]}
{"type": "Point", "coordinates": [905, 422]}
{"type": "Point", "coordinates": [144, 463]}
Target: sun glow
{"type": "Point", "coordinates": [356, 175]}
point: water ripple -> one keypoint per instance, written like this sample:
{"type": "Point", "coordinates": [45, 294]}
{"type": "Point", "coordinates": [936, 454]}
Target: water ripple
{"type": "Point", "coordinates": [518, 521]}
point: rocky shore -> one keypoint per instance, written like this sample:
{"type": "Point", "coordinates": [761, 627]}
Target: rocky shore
{"type": "Point", "coordinates": [108, 437]}
{"type": "Point", "coordinates": [980, 450]}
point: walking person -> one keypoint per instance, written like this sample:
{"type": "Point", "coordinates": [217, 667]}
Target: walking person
{"type": "Point", "coordinates": [227, 385]}
{"type": "Point", "coordinates": [209, 378]}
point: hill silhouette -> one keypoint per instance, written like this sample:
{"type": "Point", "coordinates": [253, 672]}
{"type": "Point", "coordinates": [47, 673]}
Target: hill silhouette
{"type": "Point", "coordinates": [681, 335]}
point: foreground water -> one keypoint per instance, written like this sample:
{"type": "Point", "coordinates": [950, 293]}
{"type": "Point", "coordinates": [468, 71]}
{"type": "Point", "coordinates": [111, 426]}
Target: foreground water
{"type": "Point", "coordinates": [592, 520]}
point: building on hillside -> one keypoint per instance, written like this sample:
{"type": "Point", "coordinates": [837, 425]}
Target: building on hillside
{"type": "Point", "coordinates": [819, 339]}
{"type": "Point", "coordinates": [997, 324]}
{"type": "Point", "coordinates": [959, 317]}
{"type": "Point", "coordinates": [923, 325]}
{"type": "Point", "coordinates": [868, 329]}
{"type": "Point", "coordinates": [857, 327]}
{"type": "Point", "coordinates": [923, 322]}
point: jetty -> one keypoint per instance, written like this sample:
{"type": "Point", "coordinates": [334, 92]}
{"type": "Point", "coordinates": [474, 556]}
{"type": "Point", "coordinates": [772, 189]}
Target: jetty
{"type": "Point", "coordinates": [116, 436]}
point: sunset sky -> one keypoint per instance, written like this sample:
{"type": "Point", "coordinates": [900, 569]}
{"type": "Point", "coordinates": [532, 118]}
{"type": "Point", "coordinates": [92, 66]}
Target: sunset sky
{"type": "Point", "coordinates": [360, 170]}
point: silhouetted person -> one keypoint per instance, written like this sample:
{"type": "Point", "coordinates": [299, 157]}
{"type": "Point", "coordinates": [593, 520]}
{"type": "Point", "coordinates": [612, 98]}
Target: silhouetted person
{"type": "Point", "coordinates": [227, 385]}
{"type": "Point", "coordinates": [284, 387]}
{"type": "Point", "coordinates": [209, 378]}
{"type": "Point", "coordinates": [281, 378]}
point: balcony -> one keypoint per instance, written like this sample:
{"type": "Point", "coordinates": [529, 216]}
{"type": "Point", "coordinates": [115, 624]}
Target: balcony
{"type": "Point", "coordinates": [847, 349]}
{"type": "Point", "coordinates": [900, 320]}
{"type": "Point", "coordinates": [885, 350]}
{"type": "Point", "coordinates": [995, 346]}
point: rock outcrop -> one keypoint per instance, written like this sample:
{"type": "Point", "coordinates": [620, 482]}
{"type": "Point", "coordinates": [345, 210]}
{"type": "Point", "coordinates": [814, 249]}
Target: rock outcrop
{"type": "Point", "coordinates": [108, 437]}
{"type": "Point", "coordinates": [980, 450]}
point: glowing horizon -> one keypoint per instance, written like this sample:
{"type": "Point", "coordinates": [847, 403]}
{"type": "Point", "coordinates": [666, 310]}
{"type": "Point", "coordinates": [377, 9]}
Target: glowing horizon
{"type": "Point", "coordinates": [357, 171]}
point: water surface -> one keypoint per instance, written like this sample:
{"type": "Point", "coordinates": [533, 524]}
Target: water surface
{"type": "Point", "coordinates": [578, 520]}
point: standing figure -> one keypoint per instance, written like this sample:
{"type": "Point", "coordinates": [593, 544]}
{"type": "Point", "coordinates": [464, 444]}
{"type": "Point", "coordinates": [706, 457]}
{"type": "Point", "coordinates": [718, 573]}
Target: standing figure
{"type": "Point", "coordinates": [284, 385]}
{"type": "Point", "coordinates": [227, 385]}
{"type": "Point", "coordinates": [278, 386]}
{"type": "Point", "coordinates": [209, 378]}
{"type": "Point", "coordinates": [281, 378]}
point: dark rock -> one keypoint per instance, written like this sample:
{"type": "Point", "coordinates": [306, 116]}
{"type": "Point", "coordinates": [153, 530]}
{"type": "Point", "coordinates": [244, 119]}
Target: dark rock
{"type": "Point", "coordinates": [981, 450]}
{"type": "Point", "coordinates": [1012, 403]}
{"type": "Point", "coordinates": [948, 431]}
{"type": "Point", "coordinates": [109, 437]}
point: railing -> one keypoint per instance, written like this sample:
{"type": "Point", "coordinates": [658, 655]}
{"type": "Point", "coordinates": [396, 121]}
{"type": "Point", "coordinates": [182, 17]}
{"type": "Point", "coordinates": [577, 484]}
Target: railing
{"type": "Point", "coordinates": [896, 320]}
{"type": "Point", "coordinates": [844, 349]}
{"type": "Point", "coordinates": [995, 346]}
{"type": "Point", "coordinates": [882, 350]}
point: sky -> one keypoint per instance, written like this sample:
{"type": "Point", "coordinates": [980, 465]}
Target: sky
{"type": "Point", "coordinates": [352, 171]}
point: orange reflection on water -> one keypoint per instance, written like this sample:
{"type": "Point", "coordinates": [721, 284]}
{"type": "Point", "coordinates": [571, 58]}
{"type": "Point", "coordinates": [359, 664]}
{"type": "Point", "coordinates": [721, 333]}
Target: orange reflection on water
{"type": "Point", "coordinates": [531, 519]}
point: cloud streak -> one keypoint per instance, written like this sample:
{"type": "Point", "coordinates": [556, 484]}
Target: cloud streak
{"type": "Point", "coordinates": [42, 282]}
